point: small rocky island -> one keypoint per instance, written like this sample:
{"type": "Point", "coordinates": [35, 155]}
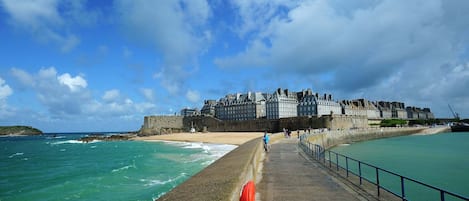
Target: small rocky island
{"type": "Point", "coordinates": [19, 130]}
{"type": "Point", "coordinates": [101, 137]}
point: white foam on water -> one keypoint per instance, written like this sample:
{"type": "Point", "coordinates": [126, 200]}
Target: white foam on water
{"type": "Point", "coordinates": [344, 144]}
{"type": "Point", "coordinates": [74, 142]}
{"type": "Point", "coordinates": [16, 154]}
{"type": "Point", "coordinates": [92, 147]}
{"type": "Point", "coordinates": [125, 168]}
{"type": "Point", "coordinates": [67, 142]}
{"type": "Point", "coordinates": [153, 182]}
{"type": "Point", "coordinates": [63, 149]}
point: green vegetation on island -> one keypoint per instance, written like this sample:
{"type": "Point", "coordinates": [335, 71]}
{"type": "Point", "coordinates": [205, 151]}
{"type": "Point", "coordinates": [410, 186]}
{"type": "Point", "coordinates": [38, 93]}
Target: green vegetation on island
{"type": "Point", "coordinates": [19, 130]}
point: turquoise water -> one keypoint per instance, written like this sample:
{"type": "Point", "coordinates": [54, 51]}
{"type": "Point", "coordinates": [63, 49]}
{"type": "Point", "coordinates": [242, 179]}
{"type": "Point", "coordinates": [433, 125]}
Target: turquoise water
{"type": "Point", "coordinates": [440, 160]}
{"type": "Point", "coordinates": [62, 168]}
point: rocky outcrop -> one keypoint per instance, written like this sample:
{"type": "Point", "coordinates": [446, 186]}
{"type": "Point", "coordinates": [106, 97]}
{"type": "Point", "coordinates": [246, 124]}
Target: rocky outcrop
{"type": "Point", "coordinates": [19, 130]}
{"type": "Point", "coordinates": [106, 138]}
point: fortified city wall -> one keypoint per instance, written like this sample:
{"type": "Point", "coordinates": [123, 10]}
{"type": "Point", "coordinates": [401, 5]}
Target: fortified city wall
{"type": "Point", "coordinates": [328, 139]}
{"type": "Point", "coordinates": [156, 125]}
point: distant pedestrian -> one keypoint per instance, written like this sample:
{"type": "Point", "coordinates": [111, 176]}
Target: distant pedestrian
{"type": "Point", "coordinates": [266, 142]}
{"type": "Point", "coordinates": [298, 134]}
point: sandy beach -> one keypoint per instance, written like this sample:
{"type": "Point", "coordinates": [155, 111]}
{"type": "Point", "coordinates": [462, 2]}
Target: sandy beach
{"type": "Point", "coordinates": [234, 138]}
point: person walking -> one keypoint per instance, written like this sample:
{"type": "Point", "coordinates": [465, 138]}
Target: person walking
{"type": "Point", "coordinates": [266, 141]}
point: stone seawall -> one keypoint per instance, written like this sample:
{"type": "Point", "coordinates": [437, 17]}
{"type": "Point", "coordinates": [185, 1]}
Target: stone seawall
{"type": "Point", "coordinates": [223, 179]}
{"type": "Point", "coordinates": [330, 139]}
{"type": "Point", "coordinates": [154, 125]}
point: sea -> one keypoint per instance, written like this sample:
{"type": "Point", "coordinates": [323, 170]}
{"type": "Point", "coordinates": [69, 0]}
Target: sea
{"type": "Point", "coordinates": [59, 167]}
{"type": "Point", "coordinates": [440, 160]}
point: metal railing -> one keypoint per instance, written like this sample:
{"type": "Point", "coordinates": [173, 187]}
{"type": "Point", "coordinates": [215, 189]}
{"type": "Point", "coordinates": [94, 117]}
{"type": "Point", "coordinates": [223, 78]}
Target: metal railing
{"type": "Point", "coordinates": [393, 183]}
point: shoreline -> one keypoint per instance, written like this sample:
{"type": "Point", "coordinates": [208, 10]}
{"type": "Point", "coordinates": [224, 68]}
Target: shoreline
{"type": "Point", "coordinates": [434, 130]}
{"type": "Point", "coordinates": [232, 138]}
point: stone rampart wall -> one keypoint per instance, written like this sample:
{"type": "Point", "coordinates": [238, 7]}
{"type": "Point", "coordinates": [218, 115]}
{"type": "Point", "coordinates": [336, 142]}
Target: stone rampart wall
{"type": "Point", "coordinates": [330, 139]}
{"type": "Point", "coordinates": [154, 125]}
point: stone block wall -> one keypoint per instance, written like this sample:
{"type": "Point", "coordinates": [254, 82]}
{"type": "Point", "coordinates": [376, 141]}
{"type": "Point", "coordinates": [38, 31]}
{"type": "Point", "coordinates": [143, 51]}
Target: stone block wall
{"type": "Point", "coordinates": [154, 125]}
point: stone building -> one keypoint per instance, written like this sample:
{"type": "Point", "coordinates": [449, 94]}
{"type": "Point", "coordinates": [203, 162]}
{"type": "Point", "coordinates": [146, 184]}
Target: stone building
{"type": "Point", "coordinates": [190, 112]}
{"type": "Point", "coordinates": [352, 108]}
{"type": "Point", "coordinates": [282, 104]}
{"type": "Point", "coordinates": [209, 108]}
{"type": "Point", "coordinates": [385, 111]}
{"type": "Point", "coordinates": [428, 113]}
{"type": "Point", "coordinates": [418, 113]}
{"type": "Point", "coordinates": [360, 107]}
{"type": "Point", "coordinates": [241, 106]}
{"type": "Point", "coordinates": [398, 110]}
{"type": "Point", "coordinates": [315, 105]}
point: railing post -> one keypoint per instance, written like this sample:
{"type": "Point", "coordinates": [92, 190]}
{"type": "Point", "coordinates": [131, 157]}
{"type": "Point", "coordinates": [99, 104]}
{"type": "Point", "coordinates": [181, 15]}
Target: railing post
{"type": "Point", "coordinates": [442, 195]}
{"type": "Point", "coordinates": [402, 189]}
{"type": "Point", "coordinates": [337, 161]}
{"type": "Point", "coordinates": [324, 151]}
{"type": "Point", "coordinates": [360, 171]}
{"type": "Point", "coordinates": [346, 165]}
{"type": "Point", "coordinates": [330, 165]}
{"type": "Point", "coordinates": [377, 179]}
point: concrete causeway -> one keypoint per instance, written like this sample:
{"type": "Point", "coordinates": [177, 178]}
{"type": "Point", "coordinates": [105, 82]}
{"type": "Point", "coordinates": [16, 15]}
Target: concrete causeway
{"type": "Point", "coordinates": [289, 175]}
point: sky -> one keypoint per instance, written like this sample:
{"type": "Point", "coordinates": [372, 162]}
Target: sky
{"type": "Point", "coordinates": [84, 66]}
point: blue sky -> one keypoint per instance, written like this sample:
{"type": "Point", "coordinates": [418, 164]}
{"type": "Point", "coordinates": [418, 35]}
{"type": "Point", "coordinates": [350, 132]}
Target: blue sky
{"type": "Point", "coordinates": [102, 65]}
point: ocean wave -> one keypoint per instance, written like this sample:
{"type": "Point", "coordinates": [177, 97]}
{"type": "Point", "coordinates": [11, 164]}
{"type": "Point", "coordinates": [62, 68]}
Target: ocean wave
{"type": "Point", "coordinates": [16, 154]}
{"type": "Point", "coordinates": [73, 142]}
{"type": "Point", "coordinates": [153, 182]}
{"type": "Point", "coordinates": [217, 149]}
{"type": "Point", "coordinates": [124, 168]}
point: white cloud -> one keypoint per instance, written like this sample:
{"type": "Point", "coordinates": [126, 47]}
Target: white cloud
{"type": "Point", "coordinates": [371, 47]}
{"type": "Point", "coordinates": [193, 96]}
{"type": "Point", "coordinates": [48, 21]}
{"type": "Point", "coordinates": [111, 95]}
{"type": "Point", "coordinates": [62, 95]}
{"type": "Point", "coordinates": [73, 83]}
{"type": "Point", "coordinates": [148, 94]}
{"type": "Point", "coordinates": [175, 28]}
{"type": "Point", "coordinates": [25, 78]}
{"type": "Point", "coordinates": [5, 90]}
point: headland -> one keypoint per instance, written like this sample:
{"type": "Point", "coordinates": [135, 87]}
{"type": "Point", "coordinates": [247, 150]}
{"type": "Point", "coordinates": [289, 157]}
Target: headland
{"type": "Point", "coordinates": [19, 131]}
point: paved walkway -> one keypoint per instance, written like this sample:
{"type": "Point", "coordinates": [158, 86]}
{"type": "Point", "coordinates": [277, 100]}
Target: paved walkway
{"type": "Point", "coordinates": [287, 175]}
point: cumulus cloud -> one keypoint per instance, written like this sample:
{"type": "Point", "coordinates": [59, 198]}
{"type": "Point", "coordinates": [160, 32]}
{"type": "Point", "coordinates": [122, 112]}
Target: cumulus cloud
{"type": "Point", "coordinates": [47, 21]}
{"type": "Point", "coordinates": [193, 96]}
{"type": "Point", "coordinates": [5, 90]}
{"type": "Point", "coordinates": [362, 47]}
{"type": "Point", "coordinates": [73, 83]}
{"type": "Point", "coordinates": [67, 96]}
{"type": "Point", "coordinates": [175, 28]}
{"type": "Point", "coordinates": [111, 95]}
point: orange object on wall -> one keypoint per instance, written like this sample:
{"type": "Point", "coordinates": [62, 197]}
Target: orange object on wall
{"type": "Point", "coordinates": [249, 192]}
